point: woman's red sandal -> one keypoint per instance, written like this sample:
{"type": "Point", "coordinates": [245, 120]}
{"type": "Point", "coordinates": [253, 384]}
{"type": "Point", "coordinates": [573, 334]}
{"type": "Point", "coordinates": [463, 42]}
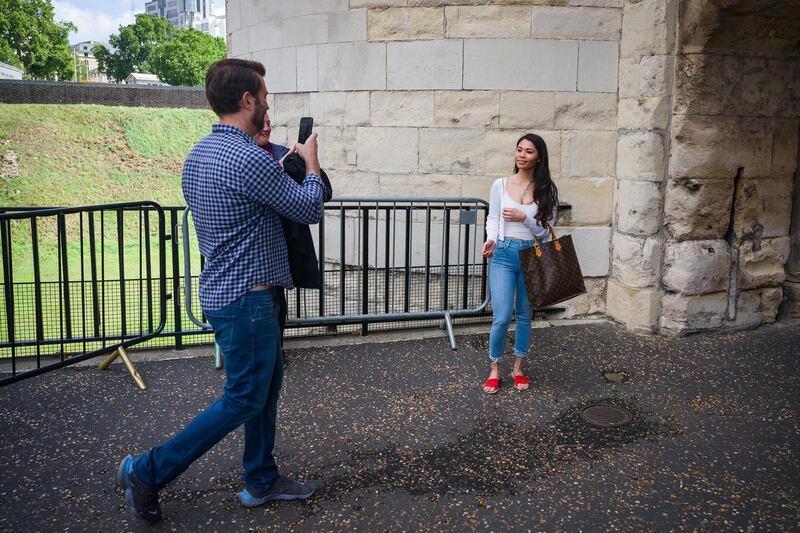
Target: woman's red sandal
{"type": "Point", "coordinates": [492, 383]}
{"type": "Point", "coordinates": [520, 379]}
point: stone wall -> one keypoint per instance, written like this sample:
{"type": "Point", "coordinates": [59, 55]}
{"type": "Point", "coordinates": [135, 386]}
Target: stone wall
{"type": "Point", "coordinates": [428, 98]}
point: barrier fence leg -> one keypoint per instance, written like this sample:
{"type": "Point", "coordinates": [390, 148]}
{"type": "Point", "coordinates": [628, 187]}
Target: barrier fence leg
{"type": "Point", "coordinates": [449, 325]}
{"type": "Point", "coordinates": [122, 354]}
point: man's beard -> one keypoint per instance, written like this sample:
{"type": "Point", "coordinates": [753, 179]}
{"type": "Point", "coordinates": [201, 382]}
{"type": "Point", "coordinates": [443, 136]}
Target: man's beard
{"type": "Point", "coordinates": [257, 120]}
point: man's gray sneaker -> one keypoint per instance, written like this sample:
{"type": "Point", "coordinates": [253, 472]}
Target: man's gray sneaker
{"type": "Point", "coordinates": [282, 488]}
{"type": "Point", "coordinates": [141, 499]}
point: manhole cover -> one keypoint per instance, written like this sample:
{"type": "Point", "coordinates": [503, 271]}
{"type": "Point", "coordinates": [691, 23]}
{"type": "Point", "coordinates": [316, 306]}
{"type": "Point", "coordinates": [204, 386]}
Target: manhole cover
{"type": "Point", "coordinates": [606, 416]}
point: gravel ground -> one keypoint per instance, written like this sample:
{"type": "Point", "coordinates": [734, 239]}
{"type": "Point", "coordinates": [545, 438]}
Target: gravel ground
{"type": "Point", "coordinates": [399, 436]}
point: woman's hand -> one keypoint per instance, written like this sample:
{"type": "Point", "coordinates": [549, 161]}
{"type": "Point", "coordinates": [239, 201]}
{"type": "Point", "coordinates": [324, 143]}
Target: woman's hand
{"type": "Point", "coordinates": [511, 214]}
{"type": "Point", "coordinates": [488, 249]}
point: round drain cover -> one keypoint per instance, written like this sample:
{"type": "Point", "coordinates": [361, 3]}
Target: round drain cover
{"type": "Point", "coordinates": [606, 416]}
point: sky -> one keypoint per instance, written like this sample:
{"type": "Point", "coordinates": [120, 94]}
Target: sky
{"type": "Point", "coordinates": [97, 19]}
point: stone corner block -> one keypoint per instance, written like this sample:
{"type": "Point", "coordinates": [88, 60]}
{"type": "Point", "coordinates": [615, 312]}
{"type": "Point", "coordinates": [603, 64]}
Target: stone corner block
{"type": "Point", "coordinates": [637, 309]}
{"type": "Point", "coordinates": [697, 267]}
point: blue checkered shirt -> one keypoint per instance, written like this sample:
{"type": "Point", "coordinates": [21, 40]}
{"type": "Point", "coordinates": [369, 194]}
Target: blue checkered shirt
{"type": "Point", "coordinates": [236, 192]}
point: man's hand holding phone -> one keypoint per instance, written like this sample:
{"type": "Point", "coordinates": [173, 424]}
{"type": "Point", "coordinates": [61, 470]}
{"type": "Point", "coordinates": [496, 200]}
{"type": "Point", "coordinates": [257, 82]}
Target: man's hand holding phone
{"type": "Point", "coordinates": [308, 151]}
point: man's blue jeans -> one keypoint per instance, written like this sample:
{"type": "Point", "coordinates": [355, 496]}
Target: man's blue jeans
{"type": "Point", "coordinates": [506, 280]}
{"type": "Point", "coordinates": [247, 332]}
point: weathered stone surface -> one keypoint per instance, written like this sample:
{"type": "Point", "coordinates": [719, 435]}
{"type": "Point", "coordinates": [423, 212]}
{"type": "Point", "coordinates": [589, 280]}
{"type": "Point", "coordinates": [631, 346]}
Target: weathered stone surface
{"type": "Point", "coordinates": [698, 209]}
{"type": "Point", "coordinates": [477, 186]}
{"type": "Point", "coordinates": [790, 308]}
{"type": "Point", "coordinates": [648, 28]}
{"type": "Point", "coordinates": [354, 183]}
{"type": "Point", "coordinates": [771, 300]}
{"type": "Point", "coordinates": [588, 154]}
{"type": "Point", "coordinates": [591, 247]}
{"type": "Point", "coordinates": [441, 185]}
{"type": "Point", "coordinates": [296, 8]}
{"type": "Point", "coordinates": [645, 76]}
{"type": "Point", "coordinates": [500, 146]}
{"type": "Point", "coordinates": [638, 207]}
{"type": "Point", "coordinates": [307, 69]}
{"type": "Point", "coordinates": [715, 147]}
{"type": "Point", "coordinates": [597, 66]}
{"type": "Point", "coordinates": [591, 200]}
{"type": "Point", "coordinates": [405, 23]}
{"type": "Point", "coordinates": [419, 65]}
{"type": "Point", "coordinates": [528, 110]}
{"type": "Point", "coordinates": [450, 151]}
{"type": "Point", "coordinates": [586, 111]}
{"type": "Point", "coordinates": [761, 264]}
{"type": "Point", "coordinates": [402, 108]}
{"type": "Point", "coordinates": [637, 309]}
{"type": "Point", "coordinates": [281, 67]}
{"type": "Point", "coordinates": [580, 23]}
{"type": "Point", "coordinates": [289, 107]}
{"type": "Point", "coordinates": [265, 35]}
{"type": "Point", "coordinates": [467, 108]}
{"type": "Point", "coordinates": [686, 314]}
{"type": "Point", "coordinates": [640, 155]}
{"type": "Point", "coordinates": [763, 207]}
{"type": "Point", "coordinates": [591, 303]}
{"type": "Point", "coordinates": [351, 66]}
{"type": "Point", "coordinates": [643, 113]}
{"type": "Point", "coordinates": [334, 145]}
{"type": "Point", "coordinates": [447, 2]}
{"type": "Point", "coordinates": [748, 310]}
{"type": "Point", "coordinates": [487, 21]}
{"type": "Point", "coordinates": [784, 148]}
{"type": "Point", "coordinates": [697, 267]}
{"type": "Point", "coordinates": [340, 108]}
{"type": "Point", "coordinates": [373, 153]}
{"type": "Point", "coordinates": [549, 65]}
{"type": "Point", "coordinates": [698, 84]}
{"type": "Point", "coordinates": [322, 28]}
{"type": "Point", "coordinates": [587, 3]}
{"type": "Point", "coordinates": [636, 262]}
{"type": "Point", "coordinates": [377, 3]}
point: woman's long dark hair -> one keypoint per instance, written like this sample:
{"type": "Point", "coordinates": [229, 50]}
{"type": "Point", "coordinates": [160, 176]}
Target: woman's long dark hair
{"type": "Point", "coordinates": [545, 192]}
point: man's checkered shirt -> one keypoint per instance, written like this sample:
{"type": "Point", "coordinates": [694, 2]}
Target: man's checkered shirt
{"type": "Point", "coordinates": [236, 191]}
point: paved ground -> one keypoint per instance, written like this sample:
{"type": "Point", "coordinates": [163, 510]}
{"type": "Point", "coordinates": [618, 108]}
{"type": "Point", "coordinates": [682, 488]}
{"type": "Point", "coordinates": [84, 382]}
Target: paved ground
{"type": "Point", "coordinates": [398, 436]}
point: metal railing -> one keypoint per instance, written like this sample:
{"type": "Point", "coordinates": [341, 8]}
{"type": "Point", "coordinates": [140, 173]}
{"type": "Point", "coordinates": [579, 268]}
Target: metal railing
{"type": "Point", "coordinates": [96, 286]}
{"type": "Point", "coordinates": [386, 260]}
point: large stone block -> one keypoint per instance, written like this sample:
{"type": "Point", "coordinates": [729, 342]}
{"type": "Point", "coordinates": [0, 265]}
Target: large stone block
{"type": "Point", "coordinates": [351, 66]}
{"type": "Point", "coordinates": [450, 151]}
{"type": "Point", "coordinates": [579, 23]}
{"type": "Point", "coordinates": [790, 308]}
{"type": "Point", "coordinates": [354, 182]}
{"type": "Point", "coordinates": [591, 200]}
{"type": "Point", "coordinates": [279, 9]}
{"type": "Point", "coordinates": [763, 208]}
{"type": "Point", "coordinates": [638, 207]}
{"type": "Point", "coordinates": [698, 209]}
{"type": "Point", "coordinates": [715, 147]}
{"type": "Point", "coordinates": [265, 36]}
{"type": "Point", "coordinates": [387, 149]}
{"type": "Point", "coordinates": [402, 108]}
{"type": "Point", "coordinates": [334, 145]}
{"type": "Point", "coordinates": [586, 111]}
{"type": "Point", "coordinates": [289, 107]}
{"type": "Point", "coordinates": [527, 110]}
{"type": "Point", "coordinates": [281, 67]}
{"type": "Point", "coordinates": [500, 146]}
{"type": "Point", "coordinates": [648, 28]}
{"type": "Point", "coordinates": [687, 314]}
{"type": "Point", "coordinates": [784, 148]}
{"type": "Point", "coordinates": [697, 267]}
{"type": "Point", "coordinates": [636, 262]}
{"type": "Point", "coordinates": [597, 66]}
{"type": "Point", "coordinates": [645, 76]}
{"type": "Point", "coordinates": [487, 21]}
{"type": "Point", "coordinates": [405, 23]}
{"type": "Point", "coordinates": [377, 3]}
{"type": "Point", "coordinates": [467, 108]}
{"type": "Point", "coordinates": [637, 309]}
{"type": "Point", "coordinates": [591, 246]}
{"type": "Point", "coordinates": [748, 310]}
{"type": "Point", "coordinates": [771, 300]}
{"type": "Point", "coordinates": [424, 65]}
{"type": "Point", "coordinates": [588, 154]}
{"type": "Point", "coordinates": [447, 2]}
{"type": "Point", "coordinates": [477, 186]}
{"type": "Point", "coordinates": [307, 69]}
{"type": "Point", "coordinates": [494, 64]}
{"type": "Point", "coordinates": [439, 185]}
{"type": "Point", "coordinates": [762, 263]}
{"type": "Point", "coordinates": [699, 85]}
{"type": "Point", "coordinates": [326, 28]}
{"type": "Point", "coordinates": [643, 113]}
{"type": "Point", "coordinates": [592, 302]}
{"type": "Point", "coordinates": [340, 108]}
{"type": "Point", "coordinates": [586, 3]}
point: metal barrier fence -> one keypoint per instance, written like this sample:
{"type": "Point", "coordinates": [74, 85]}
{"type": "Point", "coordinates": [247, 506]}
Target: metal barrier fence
{"type": "Point", "coordinates": [386, 260]}
{"type": "Point", "coordinates": [78, 283]}
{"type": "Point", "coordinates": [84, 281]}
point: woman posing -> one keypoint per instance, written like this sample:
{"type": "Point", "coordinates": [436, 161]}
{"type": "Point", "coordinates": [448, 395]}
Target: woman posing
{"type": "Point", "coordinates": [520, 206]}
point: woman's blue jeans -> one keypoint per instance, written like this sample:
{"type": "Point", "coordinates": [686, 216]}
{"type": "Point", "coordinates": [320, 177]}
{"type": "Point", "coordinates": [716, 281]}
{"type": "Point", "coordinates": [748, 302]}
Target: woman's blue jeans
{"type": "Point", "coordinates": [507, 284]}
{"type": "Point", "coordinates": [247, 333]}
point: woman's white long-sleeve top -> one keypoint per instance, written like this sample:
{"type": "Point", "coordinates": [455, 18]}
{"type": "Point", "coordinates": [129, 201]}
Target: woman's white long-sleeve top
{"type": "Point", "coordinates": [497, 228]}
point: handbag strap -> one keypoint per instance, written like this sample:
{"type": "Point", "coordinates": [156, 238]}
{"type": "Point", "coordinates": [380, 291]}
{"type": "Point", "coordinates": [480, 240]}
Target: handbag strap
{"type": "Point", "coordinates": [556, 244]}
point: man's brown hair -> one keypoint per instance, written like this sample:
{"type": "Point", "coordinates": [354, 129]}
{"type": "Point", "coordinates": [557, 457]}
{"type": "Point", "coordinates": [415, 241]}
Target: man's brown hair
{"type": "Point", "coordinates": [227, 80]}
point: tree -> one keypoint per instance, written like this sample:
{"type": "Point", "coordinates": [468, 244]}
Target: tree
{"type": "Point", "coordinates": [184, 59]}
{"type": "Point", "coordinates": [32, 40]}
{"type": "Point", "coordinates": [133, 46]}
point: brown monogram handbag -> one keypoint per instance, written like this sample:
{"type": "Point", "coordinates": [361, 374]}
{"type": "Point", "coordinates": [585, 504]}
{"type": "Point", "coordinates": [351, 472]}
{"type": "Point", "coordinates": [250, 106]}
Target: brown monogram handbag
{"type": "Point", "coordinates": [552, 272]}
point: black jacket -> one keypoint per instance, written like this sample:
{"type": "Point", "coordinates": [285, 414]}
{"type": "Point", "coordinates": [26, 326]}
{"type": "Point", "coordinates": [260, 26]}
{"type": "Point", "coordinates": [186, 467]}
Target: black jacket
{"type": "Point", "coordinates": [302, 255]}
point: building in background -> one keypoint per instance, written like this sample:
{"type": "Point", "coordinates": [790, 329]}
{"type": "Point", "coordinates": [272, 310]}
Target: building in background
{"type": "Point", "coordinates": [197, 14]}
{"type": "Point", "coordinates": [85, 62]}
{"type": "Point", "coordinates": [142, 78]}
{"type": "Point", "coordinates": [8, 72]}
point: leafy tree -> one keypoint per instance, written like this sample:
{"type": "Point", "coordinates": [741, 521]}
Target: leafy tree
{"type": "Point", "coordinates": [184, 59]}
{"type": "Point", "coordinates": [32, 40]}
{"type": "Point", "coordinates": [133, 46]}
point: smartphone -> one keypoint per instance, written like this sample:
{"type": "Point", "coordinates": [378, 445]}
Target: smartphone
{"type": "Point", "coordinates": [306, 123]}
